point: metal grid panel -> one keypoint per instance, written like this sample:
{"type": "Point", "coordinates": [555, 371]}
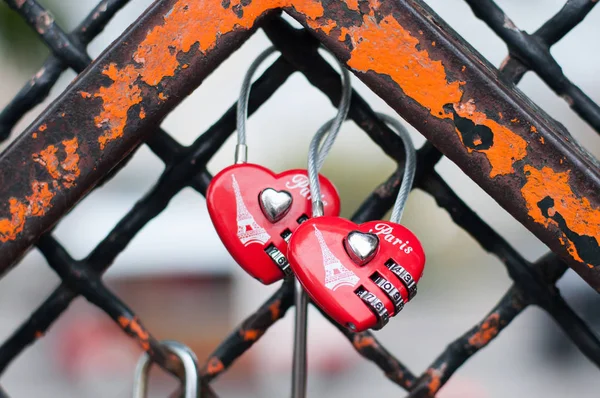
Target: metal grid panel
{"type": "Point", "coordinates": [534, 284]}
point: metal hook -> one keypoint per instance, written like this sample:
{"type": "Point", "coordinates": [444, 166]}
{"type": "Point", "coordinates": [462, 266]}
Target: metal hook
{"type": "Point", "coordinates": [190, 367]}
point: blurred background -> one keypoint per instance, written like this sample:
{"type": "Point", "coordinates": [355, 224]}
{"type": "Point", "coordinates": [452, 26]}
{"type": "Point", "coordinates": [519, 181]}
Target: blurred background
{"type": "Point", "coordinates": [179, 279]}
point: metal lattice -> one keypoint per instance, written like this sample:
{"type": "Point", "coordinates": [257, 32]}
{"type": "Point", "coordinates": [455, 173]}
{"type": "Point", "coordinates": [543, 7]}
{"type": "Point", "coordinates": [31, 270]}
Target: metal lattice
{"type": "Point", "coordinates": [533, 283]}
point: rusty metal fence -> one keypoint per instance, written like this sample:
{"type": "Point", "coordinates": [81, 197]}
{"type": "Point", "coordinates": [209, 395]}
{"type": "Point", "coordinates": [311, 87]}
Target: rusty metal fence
{"type": "Point", "coordinates": [185, 166]}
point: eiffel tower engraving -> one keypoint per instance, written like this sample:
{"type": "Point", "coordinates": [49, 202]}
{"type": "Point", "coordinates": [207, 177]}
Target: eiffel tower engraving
{"type": "Point", "coordinates": [248, 229]}
{"type": "Point", "coordinates": [336, 274]}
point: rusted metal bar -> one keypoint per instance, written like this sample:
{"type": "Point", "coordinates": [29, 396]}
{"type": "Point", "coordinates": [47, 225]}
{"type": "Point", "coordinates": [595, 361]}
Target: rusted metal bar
{"type": "Point", "coordinates": [503, 142]}
{"type": "Point", "coordinates": [175, 177]}
{"type": "Point", "coordinates": [509, 146]}
{"type": "Point", "coordinates": [248, 333]}
{"type": "Point", "coordinates": [536, 284]}
{"type": "Point", "coordinates": [38, 87]}
{"type": "Point", "coordinates": [104, 114]}
{"type": "Point", "coordinates": [79, 278]}
{"type": "Point", "coordinates": [536, 53]}
{"type": "Point", "coordinates": [460, 350]}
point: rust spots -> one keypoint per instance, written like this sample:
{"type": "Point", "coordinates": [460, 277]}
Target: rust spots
{"type": "Point", "coordinates": [38, 334]}
{"type": "Point", "coordinates": [70, 164]}
{"type": "Point", "coordinates": [435, 379]}
{"type": "Point", "coordinates": [251, 334]}
{"type": "Point", "coordinates": [419, 76]}
{"type": "Point", "coordinates": [551, 201]}
{"type": "Point", "coordinates": [188, 25]}
{"type": "Point", "coordinates": [39, 201]}
{"type": "Point", "coordinates": [162, 96]}
{"type": "Point", "coordinates": [11, 227]}
{"type": "Point", "coordinates": [386, 48]}
{"type": "Point", "coordinates": [118, 98]}
{"type": "Point", "coordinates": [214, 366]}
{"type": "Point", "coordinates": [361, 341]}
{"type": "Point", "coordinates": [43, 127]}
{"type": "Point", "coordinates": [34, 205]}
{"type": "Point", "coordinates": [533, 129]}
{"type": "Point", "coordinates": [479, 133]}
{"type": "Point", "coordinates": [142, 113]}
{"type": "Point", "coordinates": [48, 159]}
{"type": "Point", "coordinates": [85, 94]}
{"type": "Point", "coordinates": [135, 329]}
{"type": "Point", "coordinates": [463, 69]}
{"type": "Point", "coordinates": [515, 120]}
{"type": "Point", "coordinates": [34, 135]}
{"type": "Point", "coordinates": [67, 170]}
{"type": "Point", "coordinates": [275, 310]}
{"type": "Point", "coordinates": [488, 330]}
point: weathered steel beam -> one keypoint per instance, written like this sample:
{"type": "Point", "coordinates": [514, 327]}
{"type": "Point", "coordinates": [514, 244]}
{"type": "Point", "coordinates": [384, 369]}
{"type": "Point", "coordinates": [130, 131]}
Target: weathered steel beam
{"type": "Point", "coordinates": [404, 52]}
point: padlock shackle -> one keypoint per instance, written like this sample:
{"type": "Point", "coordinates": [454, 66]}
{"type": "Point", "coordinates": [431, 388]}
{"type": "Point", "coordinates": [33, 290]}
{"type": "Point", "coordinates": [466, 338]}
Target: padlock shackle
{"type": "Point", "coordinates": [241, 149]}
{"type": "Point", "coordinates": [323, 136]}
{"type": "Point", "coordinates": [190, 367]}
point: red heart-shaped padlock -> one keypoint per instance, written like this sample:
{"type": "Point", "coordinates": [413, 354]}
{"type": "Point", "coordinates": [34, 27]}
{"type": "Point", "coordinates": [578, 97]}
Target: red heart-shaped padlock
{"type": "Point", "coordinates": [255, 212]}
{"type": "Point", "coordinates": [326, 254]}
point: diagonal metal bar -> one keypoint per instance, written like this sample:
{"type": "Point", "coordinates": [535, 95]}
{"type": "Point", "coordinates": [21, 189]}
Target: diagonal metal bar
{"type": "Point", "coordinates": [465, 118]}
{"type": "Point", "coordinates": [461, 349]}
{"type": "Point", "coordinates": [248, 332]}
{"type": "Point", "coordinates": [527, 278]}
{"type": "Point", "coordinates": [174, 178]}
{"type": "Point", "coordinates": [536, 55]}
{"type": "Point", "coordinates": [83, 280]}
{"type": "Point", "coordinates": [557, 27]}
{"type": "Point", "coordinates": [38, 87]}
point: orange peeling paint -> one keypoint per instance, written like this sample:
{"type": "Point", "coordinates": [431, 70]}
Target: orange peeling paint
{"type": "Point", "coordinates": [420, 77]}
{"type": "Point", "coordinates": [134, 327]}
{"type": "Point", "coordinates": [515, 120]}
{"type": "Point", "coordinates": [275, 310]}
{"type": "Point", "coordinates": [251, 334]}
{"type": "Point", "coordinates": [33, 205]}
{"type": "Point", "coordinates": [34, 135]}
{"type": "Point", "coordinates": [425, 80]}
{"type": "Point", "coordinates": [361, 342]}
{"type": "Point", "coordinates": [187, 24]}
{"type": "Point", "coordinates": [123, 321]}
{"type": "Point", "coordinates": [436, 380]}
{"type": "Point", "coordinates": [214, 366]}
{"type": "Point", "coordinates": [11, 227]}
{"type": "Point", "coordinates": [39, 200]}
{"type": "Point", "coordinates": [533, 129]}
{"type": "Point", "coordinates": [508, 147]}
{"type": "Point", "coordinates": [118, 98]}
{"type": "Point", "coordinates": [142, 113]}
{"type": "Point", "coordinates": [85, 94]}
{"type": "Point", "coordinates": [487, 331]}
{"type": "Point", "coordinates": [578, 213]}
{"type": "Point", "coordinates": [47, 158]}
{"type": "Point", "coordinates": [68, 170]}
{"type": "Point", "coordinates": [352, 4]}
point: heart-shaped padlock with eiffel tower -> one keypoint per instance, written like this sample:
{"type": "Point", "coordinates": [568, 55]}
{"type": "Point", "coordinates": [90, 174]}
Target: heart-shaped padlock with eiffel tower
{"type": "Point", "coordinates": [359, 275]}
{"type": "Point", "coordinates": [254, 210]}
